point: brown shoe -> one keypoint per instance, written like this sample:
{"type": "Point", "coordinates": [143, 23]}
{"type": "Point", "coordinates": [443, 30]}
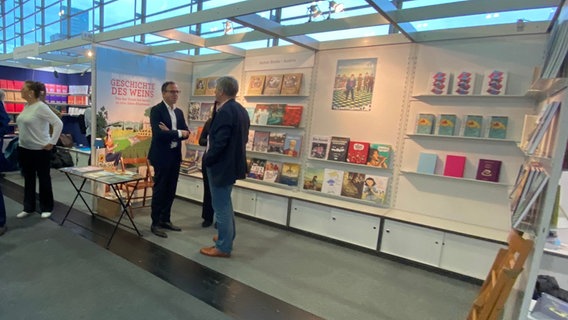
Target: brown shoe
{"type": "Point", "coordinates": [214, 252]}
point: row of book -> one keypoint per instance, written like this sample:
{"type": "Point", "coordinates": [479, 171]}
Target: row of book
{"type": "Point", "coordinates": [347, 184]}
{"type": "Point", "coordinates": [273, 171]}
{"type": "Point", "coordinates": [275, 84]}
{"type": "Point", "coordinates": [346, 150]}
{"type": "Point", "coordinates": [288, 144]}
{"type": "Point", "coordinates": [531, 181]}
{"type": "Point", "coordinates": [463, 82]}
{"type": "Point", "coordinates": [454, 166]}
{"type": "Point", "coordinates": [205, 86]}
{"type": "Point", "coordinates": [494, 127]}
{"type": "Point", "coordinates": [275, 115]}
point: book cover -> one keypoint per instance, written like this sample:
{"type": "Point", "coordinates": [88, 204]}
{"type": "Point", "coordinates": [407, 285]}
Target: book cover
{"type": "Point", "coordinates": [358, 152]}
{"type": "Point", "coordinates": [205, 111]}
{"type": "Point", "coordinates": [425, 123]}
{"type": "Point", "coordinates": [379, 155]}
{"type": "Point", "coordinates": [250, 111]}
{"type": "Point", "coordinates": [427, 163]}
{"type": "Point", "coordinates": [260, 116]}
{"type": "Point", "coordinates": [464, 82]}
{"type": "Point", "coordinates": [438, 83]}
{"type": "Point", "coordinates": [276, 142]}
{"type": "Point", "coordinates": [352, 185]}
{"type": "Point", "coordinates": [272, 171]}
{"type": "Point", "coordinates": [542, 125]}
{"type": "Point", "coordinates": [256, 85]}
{"type": "Point", "coordinates": [473, 125]}
{"type": "Point", "coordinates": [275, 114]}
{"type": "Point", "coordinates": [447, 125]}
{"type": "Point", "coordinates": [319, 146]}
{"type": "Point", "coordinates": [200, 85]}
{"type": "Point", "coordinates": [260, 141]}
{"type": "Point", "coordinates": [250, 140]}
{"type": "Point", "coordinates": [292, 145]}
{"type": "Point", "coordinates": [193, 137]}
{"type": "Point", "coordinates": [273, 84]}
{"type": "Point", "coordinates": [454, 166]}
{"type": "Point", "coordinates": [290, 174]}
{"type": "Point", "coordinates": [190, 154]}
{"type": "Point", "coordinates": [375, 189]}
{"type": "Point", "coordinates": [332, 181]}
{"type": "Point", "coordinates": [498, 127]}
{"type": "Point", "coordinates": [313, 178]}
{"type": "Point", "coordinates": [211, 85]}
{"type": "Point", "coordinates": [292, 116]}
{"type": "Point", "coordinates": [488, 170]}
{"type": "Point", "coordinates": [494, 82]}
{"type": "Point", "coordinates": [291, 84]}
{"type": "Point", "coordinates": [338, 149]}
{"type": "Point", "coordinates": [257, 169]}
{"type": "Point", "coordinates": [193, 110]}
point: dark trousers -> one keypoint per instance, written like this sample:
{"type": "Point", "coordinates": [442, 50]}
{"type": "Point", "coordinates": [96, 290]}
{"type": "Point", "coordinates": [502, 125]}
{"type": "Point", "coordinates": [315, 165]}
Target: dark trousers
{"type": "Point", "coordinates": [164, 191]}
{"type": "Point", "coordinates": [207, 210]}
{"type": "Point", "coordinates": [2, 210]}
{"type": "Point", "coordinates": [36, 163]}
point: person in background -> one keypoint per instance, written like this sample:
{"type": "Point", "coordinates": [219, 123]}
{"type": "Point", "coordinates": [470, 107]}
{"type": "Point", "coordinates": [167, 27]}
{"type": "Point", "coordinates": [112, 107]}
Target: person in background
{"type": "Point", "coordinates": [34, 151]}
{"type": "Point", "coordinates": [87, 117]}
{"type": "Point", "coordinates": [207, 210]}
{"type": "Point", "coordinates": [168, 130]}
{"type": "Point", "coordinates": [4, 128]}
{"type": "Point", "coordinates": [225, 162]}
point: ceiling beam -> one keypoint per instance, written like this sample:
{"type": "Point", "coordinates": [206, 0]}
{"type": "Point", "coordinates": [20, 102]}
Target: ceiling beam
{"type": "Point", "coordinates": [197, 41]}
{"type": "Point", "coordinates": [482, 32]}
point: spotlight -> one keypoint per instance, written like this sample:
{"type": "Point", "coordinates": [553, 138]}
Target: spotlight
{"type": "Point", "coordinates": [228, 27]}
{"type": "Point", "coordinates": [335, 7]}
{"type": "Point", "coordinates": [314, 12]}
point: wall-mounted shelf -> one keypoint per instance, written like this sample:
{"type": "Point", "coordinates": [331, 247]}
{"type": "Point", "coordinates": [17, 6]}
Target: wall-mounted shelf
{"type": "Point", "coordinates": [453, 178]}
{"type": "Point", "coordinates": [474, 96]}
{"type": "Point", "coordinates": [435, 136]}
{"type": "Point", "coordinates": [349, 164]}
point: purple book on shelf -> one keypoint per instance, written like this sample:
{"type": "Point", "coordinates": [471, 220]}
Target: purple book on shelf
{"type": "Point", "coordinates": [488, 170]}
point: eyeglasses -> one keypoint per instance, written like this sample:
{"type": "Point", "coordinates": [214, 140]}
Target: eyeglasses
{"type": "Point", "coordinates": [174, 91]}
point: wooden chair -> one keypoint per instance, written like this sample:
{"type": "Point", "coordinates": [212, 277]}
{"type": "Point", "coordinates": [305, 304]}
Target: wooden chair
{"type": "Point", "coordinates": [143, 167]}
{"type": "Point", "coordinates": [508, 264]}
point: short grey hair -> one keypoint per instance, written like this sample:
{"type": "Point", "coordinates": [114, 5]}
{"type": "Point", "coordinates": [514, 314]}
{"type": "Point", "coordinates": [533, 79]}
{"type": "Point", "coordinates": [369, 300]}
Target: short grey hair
{"type": "Point", "coordinates": [2, 95]}
{"type": "Point", "coordinates": [228, 85]}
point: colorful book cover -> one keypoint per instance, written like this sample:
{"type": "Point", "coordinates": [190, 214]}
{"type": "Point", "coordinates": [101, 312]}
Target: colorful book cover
{"type": "Point", "coordinates": [292, 116]}
{"type": "Point", "coordinates": [257, 169]}
{"type": "Point", "coordinates": [425, 123]}
{"type": "Point", "coordinates": [464, 82]}
{"type": "Point", "coordinates": [319, 146]}
{"type": "Point", "coordinates": [260, 141]}
{"type": "Point", "coordinates": [338, 149]}
{"type": "Point", "coordinates": [205, 111]}
{"type": "Point", "coordinates": [352, 185]}
{"type": "Point", "coordinates": [275, 114]}
{"type": "Point", "coordinates": [454, 166]}
{"type": "Point", "coordinates": [473, 126]}
{"type": "Point", "coordinates": [379, 155]}
{"type": "Point", "coordinates": [375, 189]}
{"type": "Point", "coordinates": [250, 140]}
{"type": "Point", "coordinates": [313, 178]}
{"type": "Point", "coordinates": [438, 83]}
{"type": "Point", "coordinates": [256, 85]}
{"type": "Point", "coordinates": [250, 111]}
{"type": "Point", "coordinates": [200, 85]}
{"type": "Point", "coordinates": [447, 125]}
{"type": "Point", "coordinates": [358, 152]}
{"type": "Point", "coordinates": [427, 163]}
{"type": "Point", "coordinates": [292, 145]}
{"type": "Point", "coordinates": [498, 127]}
{"type": "Point", "coordinates": [273, 84]}
{"type": "Point", "coordinates": [488, 170]}
{"type": "Point", "coordinates": [272, 171]}
{"type": "Point", "coordinates": [494, 82]}
{"type": "Point", "coordinates": [291, 84]}
{"type": "Point", "coordinates": [290, 174]}
{"type": "Point", "coordinates": [276, 142]}
{"type": "Point", "coordinates": [260, 116]}
{"type": "Point", "coordinates": [211, 86]}
{"type": "Point", "coordinates": [193, 110]}
{"type": "Point", "coordinates": [193, 137]}
{"type": "Point", "coordinates": [332, 181]}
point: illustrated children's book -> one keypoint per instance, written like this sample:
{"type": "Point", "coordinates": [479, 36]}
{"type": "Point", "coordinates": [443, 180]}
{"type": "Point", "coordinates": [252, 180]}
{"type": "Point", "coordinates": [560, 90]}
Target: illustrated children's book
{"type": "Point", "coordinates": [291, 83]}
{"type": "Point", "coordinates": [256, 85]}
{"type": "Point", "coordinates": [292, 116]}
{"type": "Point", "coordinates": [319, 146]}
{"type": "Point", "coordinates": [272, 171]}
{"type": "Point", "coordinates": [290, 174]}
{"type": "Point", "coordinates": [205, 111]}
{"type": "Point", "coordinates": [379, 155]}
{"type": "Point", "coordinates": [332, 181]}
{"type": "Point", "coordinates": [257, 169]}
{"type": "Point", "coordinates": [313, 178]}
{"type": "Point", "coordinates": [211, 86]}
{"type": "Point", "coordinates": [276, 142]}
{"type": "Point", "coordinates": [260, 116]}
{"type": "Point", "coordinates": [200, 85]}
{"type": "Point", "coordinates": [438, 83]}
{"type": "Point", "coordinates": [425, 123]}
{"type": "Point", "coordinates": [292, 145]}
{"type": "Point", "coordinates": [358, 152]}
{"type": "Point", "coordinates": [250, 141]}
{"type": "Point", "coordinates": [273, 84]}
{"type": "Point", "coordinates": [494, 82]}
{"type": "Point", "coordinates": [498, 127]}
{"type": "Point", "coordinates": [275, 114]}
{"type": "Point", "coordinates": [447, 126]}
{"type": "Point", "coordinates": [375, 189]}
{"type": "Point", "coordinates": [338, 149]}
{"type": "Point", "coordinates": [260, 141]}
{"type": "Point", "coordinates": [352, 186]}
{"type": "Point", "coordinates": [193, 110]}
{"type": "Point", "coordinates": [473, 126]}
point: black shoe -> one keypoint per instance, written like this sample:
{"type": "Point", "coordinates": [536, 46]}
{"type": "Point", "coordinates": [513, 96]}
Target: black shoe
{"type": "Point", "coordinates": [206, 223]}
{"type": "Point", "coordinates": [158, 232]}
{"type": "Point", "coordinates": [169, 226]}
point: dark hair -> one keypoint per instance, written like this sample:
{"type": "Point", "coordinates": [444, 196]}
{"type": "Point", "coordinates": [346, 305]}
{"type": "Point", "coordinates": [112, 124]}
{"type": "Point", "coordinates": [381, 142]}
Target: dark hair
{"type": "Point", "coordinates": [36, 87]}
{"type": "Point", "coordinates": [165, 85]}
{"type": "Point", "coordinates": [369, 178]}
{"type": "Point", "coordinates": [228, 85]}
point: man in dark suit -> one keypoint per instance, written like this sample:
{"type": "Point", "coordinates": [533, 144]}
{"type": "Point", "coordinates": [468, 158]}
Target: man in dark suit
{"type": "Point", "coordinates": [225, 162]}
{"type": "Point", "coordinates": [168, 131]}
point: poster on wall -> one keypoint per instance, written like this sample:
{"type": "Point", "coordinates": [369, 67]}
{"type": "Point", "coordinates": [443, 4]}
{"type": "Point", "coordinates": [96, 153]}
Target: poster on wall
{"type": "Point", "coordinates": [353, 85]}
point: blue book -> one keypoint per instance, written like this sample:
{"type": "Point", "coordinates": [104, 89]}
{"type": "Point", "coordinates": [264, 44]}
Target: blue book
{"type": "Point", "coordinates": [498, 127]}
{"type": "Point", "coordinates": [427, 163]}
{"type": "Point", "coordinates": [447, 126]}
{"type": "Point", "coordinates": [473, 125]}
{"type": "Point", "coordinates": [425, 123]}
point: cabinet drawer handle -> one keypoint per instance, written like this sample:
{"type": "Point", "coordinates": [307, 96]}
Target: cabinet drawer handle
{"type": "Point", "coordinates": [388, 230]}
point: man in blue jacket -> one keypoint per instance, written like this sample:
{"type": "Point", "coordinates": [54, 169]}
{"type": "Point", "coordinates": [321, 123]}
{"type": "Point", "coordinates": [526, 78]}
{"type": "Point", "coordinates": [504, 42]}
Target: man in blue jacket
{"type": "Point", "coordinates": [4, 128]}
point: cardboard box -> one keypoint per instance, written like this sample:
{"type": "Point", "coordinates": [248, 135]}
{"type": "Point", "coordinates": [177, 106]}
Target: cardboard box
{"type": "Point", "coordinates": [109, 208]}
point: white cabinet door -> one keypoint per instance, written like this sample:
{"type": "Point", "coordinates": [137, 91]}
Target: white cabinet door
{"type": "Point", "coordinates": [412, 242]}
{"type": "Point", "coordinates": [271, 208]}
{"type": "Point", "coordinates": [355, 228]}
{"type": "Point", "coordinates": [190, 188]}
{"type": "Point", "coordinates": [310, 217]}
{"type": "Point", "coordinates": [244, 201]}
{"type": "Point", "coordinates": [468, 256]}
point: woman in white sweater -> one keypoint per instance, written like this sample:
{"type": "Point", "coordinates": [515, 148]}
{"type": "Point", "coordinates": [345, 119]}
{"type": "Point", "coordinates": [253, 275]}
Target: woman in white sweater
{"type": "Point", "coordinates": [34, 151]}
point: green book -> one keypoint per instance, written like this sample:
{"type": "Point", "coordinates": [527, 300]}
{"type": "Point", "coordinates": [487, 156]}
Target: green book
{"type": "Point", "coordinates": [447, 125]}
{"type": "Point", "coordinates": [425, 123]}
{"type": "Point", "coordinates": [498, 127]}
{"type": "Point", "coordinates": [472, 127]}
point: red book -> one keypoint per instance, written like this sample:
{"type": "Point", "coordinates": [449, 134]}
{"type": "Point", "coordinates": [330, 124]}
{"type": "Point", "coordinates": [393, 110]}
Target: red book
{"type": "Point", "coordinates": [358, 152]}
{"type": "Point", "coordinates": [488, 170]}
{"type": "Point", "coordinates": [292, 116]}
{"type": "Point", "coordinates": [3, 84]}
{"type": "Point", "coordinates": [454, 166]}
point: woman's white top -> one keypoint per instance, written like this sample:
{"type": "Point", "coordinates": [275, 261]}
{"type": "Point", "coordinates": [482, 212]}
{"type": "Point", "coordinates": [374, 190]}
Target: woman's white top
{"type": "Point", "coordinates": [33, 126]}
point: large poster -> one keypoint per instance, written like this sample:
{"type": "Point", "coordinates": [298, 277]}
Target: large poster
{"type": "Point", "coordinates": [353, 85]}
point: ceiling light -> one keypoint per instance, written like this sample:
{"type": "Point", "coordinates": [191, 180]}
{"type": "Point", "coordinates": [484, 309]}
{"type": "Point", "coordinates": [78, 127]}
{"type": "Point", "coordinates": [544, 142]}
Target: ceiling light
{"type": "Point", "coordinates": [335, 7]}
{"type": "Point", "coordinates": [228, 26]}
{"type": "Point", "coordinates": [89, 53]}
{"type": "Point", "coordinates": [314, 12]}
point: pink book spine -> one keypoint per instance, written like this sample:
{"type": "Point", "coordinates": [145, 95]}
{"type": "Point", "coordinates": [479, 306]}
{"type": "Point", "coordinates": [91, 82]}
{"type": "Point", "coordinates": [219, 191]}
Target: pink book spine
{"type": "Point", "coordinates": [455, 166]}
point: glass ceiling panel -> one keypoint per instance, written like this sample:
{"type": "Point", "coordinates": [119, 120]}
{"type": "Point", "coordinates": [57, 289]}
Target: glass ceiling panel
{"type": "Point", "coordinates": [351, 33]}
{"type": "Point", "coordinates": [423, 3]}
{"type": "Point", "coordinates": [299, 14]}
{"type": "Point", "coordinates": [252, 44]}
{"type": "Point", "coordinates": [209, 4]}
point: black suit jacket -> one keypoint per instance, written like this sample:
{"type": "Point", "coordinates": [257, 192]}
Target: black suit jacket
{"type": "Point", "coordinates": [160, 153]}
{"type": "Point", "coordinates": [228, 136]}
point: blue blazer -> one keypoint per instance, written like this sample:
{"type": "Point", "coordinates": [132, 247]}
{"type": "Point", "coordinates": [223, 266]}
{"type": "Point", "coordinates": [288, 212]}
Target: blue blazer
{"type": "Point", "coordinates": [228, 135]}
{"type": "Point", "coordinates": [160, 153]}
